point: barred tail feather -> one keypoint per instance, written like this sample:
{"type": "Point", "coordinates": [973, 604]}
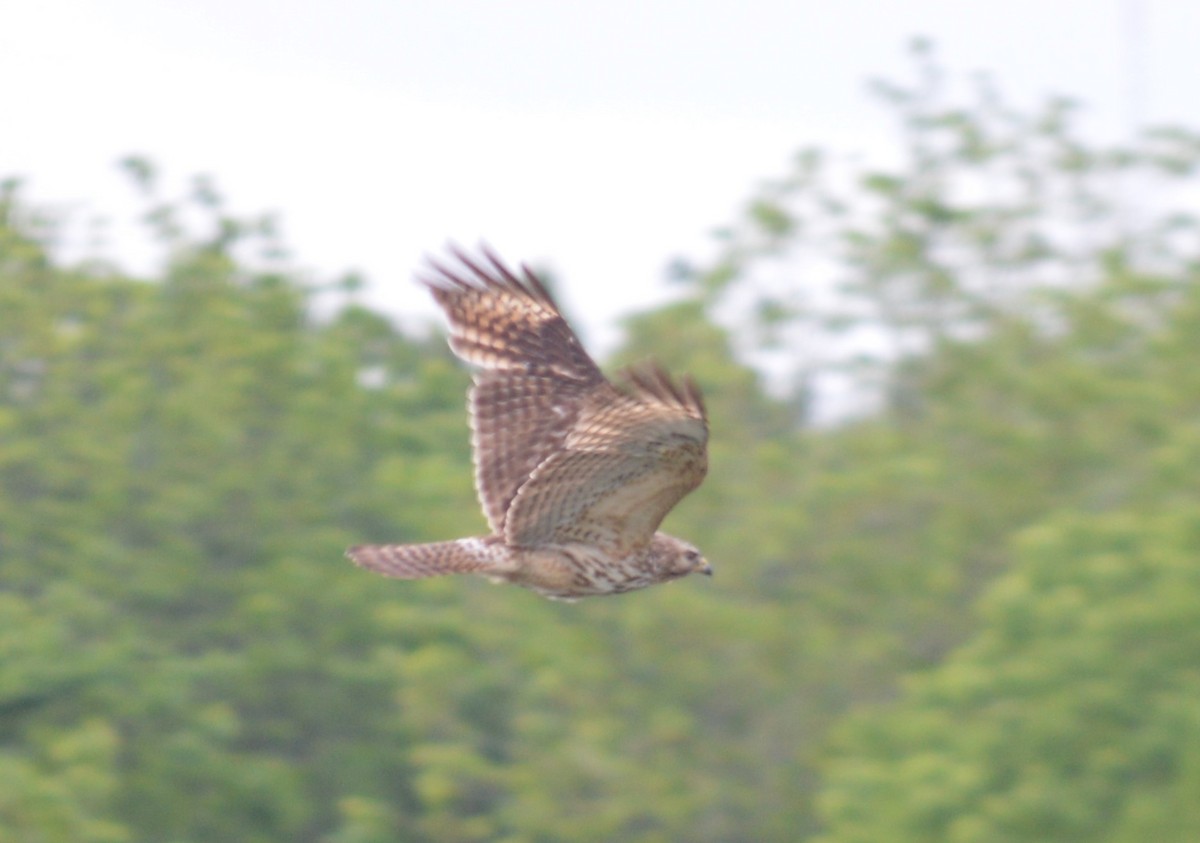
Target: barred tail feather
{"type": "Point", "coordinates": [416, 561]}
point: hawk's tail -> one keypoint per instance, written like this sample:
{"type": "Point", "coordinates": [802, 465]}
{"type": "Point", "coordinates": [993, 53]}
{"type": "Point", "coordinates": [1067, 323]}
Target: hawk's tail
{"type": "Point", "coordinates": [415, 561]}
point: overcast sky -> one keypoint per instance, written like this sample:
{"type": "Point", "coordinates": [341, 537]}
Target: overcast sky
{"type": "Point", "coordinates": [597, 139]}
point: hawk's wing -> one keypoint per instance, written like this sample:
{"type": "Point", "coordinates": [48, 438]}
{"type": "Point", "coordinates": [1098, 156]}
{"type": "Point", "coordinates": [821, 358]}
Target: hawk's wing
{"type": "Point", "coordinates": [533, 373]}
{"type": "Point", "coordinates": [627, 460]}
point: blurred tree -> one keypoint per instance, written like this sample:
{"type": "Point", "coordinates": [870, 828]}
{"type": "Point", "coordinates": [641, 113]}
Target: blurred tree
{"type": "Point", "coordinates": [1016, 309]}
{"type": "Point", "coordinates": [1072, 715]}
{"type": "Point", "coordinates": [989, 209]}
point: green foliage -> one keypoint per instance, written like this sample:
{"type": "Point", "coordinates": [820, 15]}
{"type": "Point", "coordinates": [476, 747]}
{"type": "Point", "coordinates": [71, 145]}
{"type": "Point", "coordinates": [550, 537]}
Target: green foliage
{"type": "Point", "coordinates": [990, 207]}
{"type": "Point", "coordinates": [1032, 346]}
{"type": "Point", "coordinates": [1071, 713]}
{"type": "Point", "coordinates": [983, 587]}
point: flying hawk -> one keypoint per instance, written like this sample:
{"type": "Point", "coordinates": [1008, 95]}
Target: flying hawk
{"type": "Point", "coordinates": [574, 474]}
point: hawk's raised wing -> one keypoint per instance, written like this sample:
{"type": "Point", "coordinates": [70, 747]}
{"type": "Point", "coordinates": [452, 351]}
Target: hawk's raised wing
{"type": "Point", "coordinates": [627, 460]}
{"type": "Point", "coordinates": [533, 377]}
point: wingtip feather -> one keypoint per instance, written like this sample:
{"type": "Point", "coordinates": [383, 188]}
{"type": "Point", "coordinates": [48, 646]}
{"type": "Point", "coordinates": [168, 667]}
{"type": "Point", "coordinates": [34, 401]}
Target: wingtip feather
{"type": "Point", "coordinates": [484, 270]}
{"type": "Point", "coordinates": [652, 379]}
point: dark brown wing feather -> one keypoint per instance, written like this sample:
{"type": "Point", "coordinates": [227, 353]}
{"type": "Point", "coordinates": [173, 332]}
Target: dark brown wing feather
{"type": "Point", "coordinates": [533, 377]}
{"type": "Point", "coordinates": [630, 457]}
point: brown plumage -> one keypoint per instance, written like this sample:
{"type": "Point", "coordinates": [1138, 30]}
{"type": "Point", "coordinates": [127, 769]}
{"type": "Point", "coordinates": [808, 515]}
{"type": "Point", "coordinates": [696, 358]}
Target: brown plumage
{"type": "Point", "coordinates": [573, 473]}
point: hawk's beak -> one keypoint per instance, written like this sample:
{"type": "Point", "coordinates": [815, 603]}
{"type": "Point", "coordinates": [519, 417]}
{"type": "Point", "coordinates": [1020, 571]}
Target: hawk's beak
{"type": "Point", "coordinates": [705, 569]}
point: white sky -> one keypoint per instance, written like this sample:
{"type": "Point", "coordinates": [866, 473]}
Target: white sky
{"type": "Point", "coordinates": [599, 140]}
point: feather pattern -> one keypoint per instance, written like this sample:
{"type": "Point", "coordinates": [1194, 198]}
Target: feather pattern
{"type": "Point", "coordinates": [574, 474]}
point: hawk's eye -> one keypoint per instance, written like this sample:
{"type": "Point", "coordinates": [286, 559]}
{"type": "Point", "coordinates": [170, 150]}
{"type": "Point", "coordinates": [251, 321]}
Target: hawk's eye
{"type": "Point", "coordinates": [691, 556]}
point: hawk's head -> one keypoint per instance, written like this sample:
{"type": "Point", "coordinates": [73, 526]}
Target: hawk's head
{"type": "Point", "coordinates": [676, 558]}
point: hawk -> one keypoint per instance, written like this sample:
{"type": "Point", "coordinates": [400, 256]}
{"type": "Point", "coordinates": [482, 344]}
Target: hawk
{"type": "Point", "coordinates": [574, 473]}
